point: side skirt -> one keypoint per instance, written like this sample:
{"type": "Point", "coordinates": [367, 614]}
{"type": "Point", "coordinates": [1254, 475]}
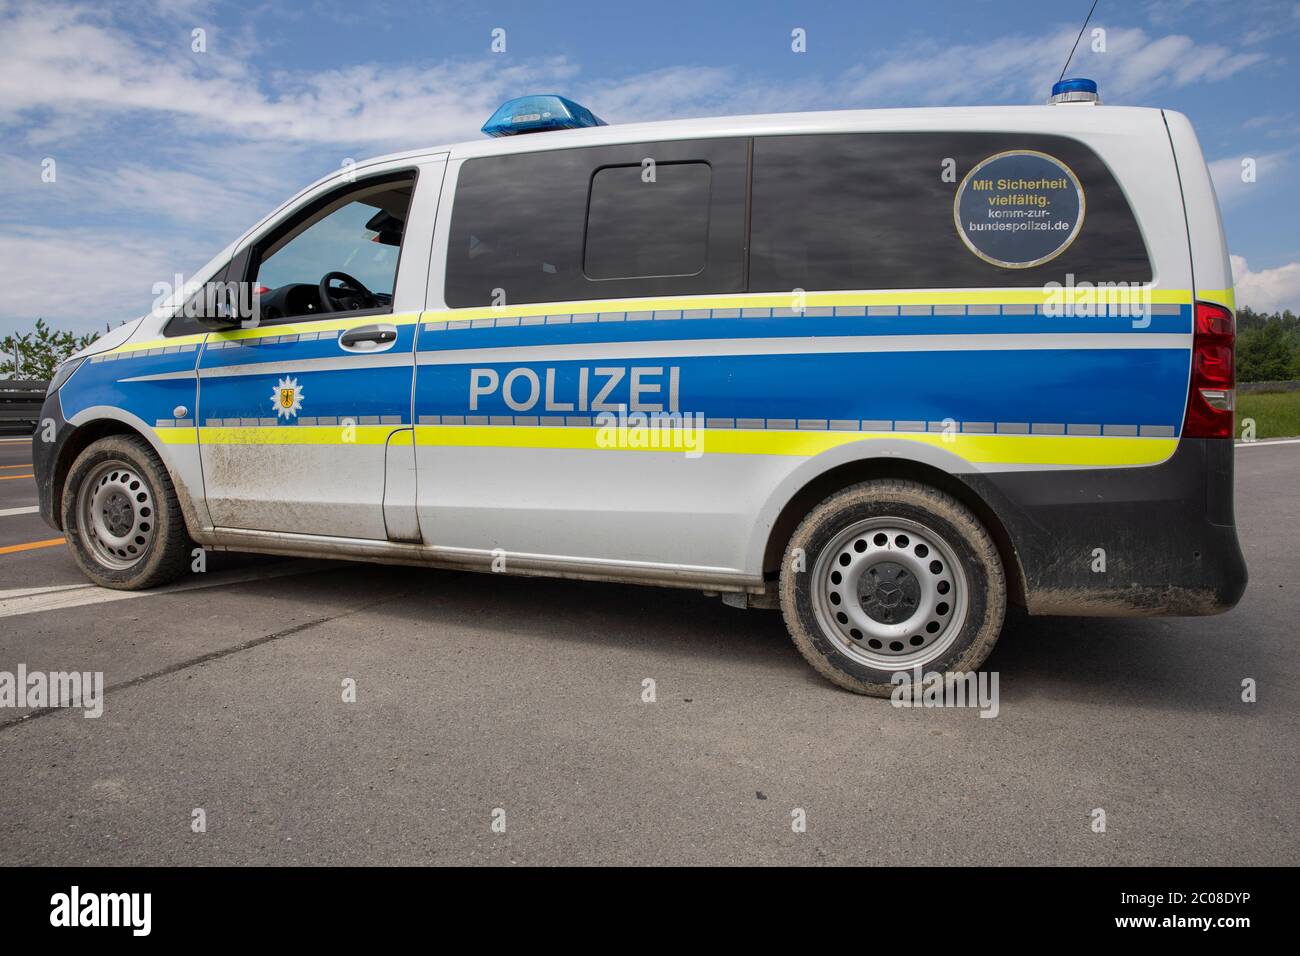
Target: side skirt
{"type": "Point", "coordinates": [467, 559]}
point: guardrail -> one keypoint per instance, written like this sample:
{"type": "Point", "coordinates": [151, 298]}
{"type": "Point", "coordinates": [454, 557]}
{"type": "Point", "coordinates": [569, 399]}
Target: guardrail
{"type": "Point", "coordinates": [1246, 387]}
{"type": "Point", "coordinates": [20, 404]}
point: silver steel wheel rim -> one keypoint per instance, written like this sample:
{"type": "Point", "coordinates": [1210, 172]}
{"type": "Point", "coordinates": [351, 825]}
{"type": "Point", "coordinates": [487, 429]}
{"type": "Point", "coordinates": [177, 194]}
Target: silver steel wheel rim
{"type": "Point", "coordinates": [889, 593]}
{"type": "Point", "coordinates": [116, 515]}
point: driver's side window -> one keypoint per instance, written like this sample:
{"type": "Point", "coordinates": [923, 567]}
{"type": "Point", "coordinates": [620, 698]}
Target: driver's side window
{"type": "Point", "coordinates": [339, 255]}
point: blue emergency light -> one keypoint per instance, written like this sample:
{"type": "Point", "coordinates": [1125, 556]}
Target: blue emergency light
{"type": "Point", "coordinates": [1075, 90]}
{"type": "Point", "coordinates": [539, 114]}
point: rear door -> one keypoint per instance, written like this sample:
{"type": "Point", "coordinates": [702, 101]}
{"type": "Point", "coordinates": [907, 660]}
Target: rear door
{"type": "Point", "coordinates": [297, 412]}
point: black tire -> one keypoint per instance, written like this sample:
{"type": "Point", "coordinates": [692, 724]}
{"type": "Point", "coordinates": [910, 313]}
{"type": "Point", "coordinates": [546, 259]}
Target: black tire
{"type": "Point", "coordinates": [963, 643]}
{"type": "Point", "coordinates": [167, 551]}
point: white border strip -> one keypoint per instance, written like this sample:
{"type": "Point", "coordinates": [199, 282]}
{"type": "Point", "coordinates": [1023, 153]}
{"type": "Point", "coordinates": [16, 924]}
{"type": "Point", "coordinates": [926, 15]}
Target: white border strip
{"type": "Point", "coordinates": [809, 344]}
{"type": "Point", "coordinates": [1269, 441]}
{"type": "Point", "coordinates": [22, 601]}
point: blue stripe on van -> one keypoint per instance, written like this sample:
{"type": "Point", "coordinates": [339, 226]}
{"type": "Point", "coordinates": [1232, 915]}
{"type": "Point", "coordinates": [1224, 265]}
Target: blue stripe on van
{"type": "Point", "coordinates": [1145, 387]}
{"type": "Point", "coordinates": [98, 383]}
{"type": "Point", "coordinates": [522, 336]}
{"type": "Point", "coordinates": [353, 393]}
{"type": "Point", "coordinates": [362, 394]}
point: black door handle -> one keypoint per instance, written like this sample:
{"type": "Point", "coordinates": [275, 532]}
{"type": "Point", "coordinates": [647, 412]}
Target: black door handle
{"type": "Point", "coordinates": [374, 334]}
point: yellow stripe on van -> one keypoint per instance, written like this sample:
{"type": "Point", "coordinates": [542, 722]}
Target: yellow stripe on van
{"type": "Point", "coordinates": [279, 435]}
{"type": "Point", "coordinates": [811, 300]}
{"type": "Point", "coordinates": [764, 300]}
{"type": "Point", "coordinates": [1224, 297]}
{"type": "Point", "coordinates": [1084, 450]}
{"type": "Point", "coordinates": [1079, 450]}
{"type": "Point", "coordinates": [265, 331]}
{"type": "Point", "coordinates": [177, 436]}
{"type": "Point", "coordinates": [316, 325]}
{"type": "Point", "coordinates": [158, 344]}
{"type": "Point", "coordinates": [978, 449]}
{"type": "Point", "coordinates": [164, 343]}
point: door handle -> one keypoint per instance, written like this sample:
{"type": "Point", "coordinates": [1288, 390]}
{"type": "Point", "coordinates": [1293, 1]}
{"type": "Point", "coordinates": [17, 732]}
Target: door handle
{"type": "Point", "coordinates": [368, 338]}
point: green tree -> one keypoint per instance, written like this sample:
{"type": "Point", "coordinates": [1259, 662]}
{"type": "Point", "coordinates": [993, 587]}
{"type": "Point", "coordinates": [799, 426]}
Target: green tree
{"type": "Point", "coordinates": [39, 352]}
{"type": "Point", "coordinates": [1268, 346]}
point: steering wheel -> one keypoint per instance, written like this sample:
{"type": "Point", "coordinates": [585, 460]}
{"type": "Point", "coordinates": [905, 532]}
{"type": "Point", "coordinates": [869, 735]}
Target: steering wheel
{"type": "Point", "coordinates": [349, 297]}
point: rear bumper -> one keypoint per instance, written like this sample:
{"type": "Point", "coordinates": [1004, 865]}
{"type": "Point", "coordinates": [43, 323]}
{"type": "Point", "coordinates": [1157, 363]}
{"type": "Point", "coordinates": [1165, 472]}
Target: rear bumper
{"type": "Point", "coordinates": [1123, 541]}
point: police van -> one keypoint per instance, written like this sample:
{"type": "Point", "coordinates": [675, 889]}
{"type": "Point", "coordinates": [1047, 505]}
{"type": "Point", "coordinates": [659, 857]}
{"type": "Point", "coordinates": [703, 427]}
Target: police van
{"type": "Point", "coordinates": [886, 370]}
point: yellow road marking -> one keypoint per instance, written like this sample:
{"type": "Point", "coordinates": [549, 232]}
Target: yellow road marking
{"type": "Point", "coordinates": [31, 546]}
{"type": "Point", "coordinates": [12, 467]}
{"type": "Point", "coordinates": [12, 477]}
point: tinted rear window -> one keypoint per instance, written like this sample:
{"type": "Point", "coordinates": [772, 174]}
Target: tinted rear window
{"type": "Point", "coordinates": [874, 211]}
{"type": "Point", "coordinates": [520, 224]}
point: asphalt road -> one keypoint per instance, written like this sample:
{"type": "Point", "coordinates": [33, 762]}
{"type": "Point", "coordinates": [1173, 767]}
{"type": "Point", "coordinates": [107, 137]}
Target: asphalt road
{"type": "Point", "coordinates": [483, 693]}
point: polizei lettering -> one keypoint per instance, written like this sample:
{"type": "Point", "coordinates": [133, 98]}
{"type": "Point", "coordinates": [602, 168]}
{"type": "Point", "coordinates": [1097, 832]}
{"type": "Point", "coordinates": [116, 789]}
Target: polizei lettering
{"type": "Point", "coordinates": [578, 389]}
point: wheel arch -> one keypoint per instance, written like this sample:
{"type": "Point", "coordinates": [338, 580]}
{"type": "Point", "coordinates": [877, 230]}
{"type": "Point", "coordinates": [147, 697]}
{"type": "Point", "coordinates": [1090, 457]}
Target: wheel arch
{"type": "Point", "coordinates": [79, 439]}
{"type": "Point", "coordinates": [819, 487]}
{"type": "Point", "coordinates": [92, 424]}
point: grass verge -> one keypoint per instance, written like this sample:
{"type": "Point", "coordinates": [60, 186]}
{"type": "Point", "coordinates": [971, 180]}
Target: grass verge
{"type": "Point", "coordinates": [1275, 414]}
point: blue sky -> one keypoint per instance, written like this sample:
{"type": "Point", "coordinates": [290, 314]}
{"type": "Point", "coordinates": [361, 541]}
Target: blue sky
{"type": "Point", "coordinates": [163, 155]}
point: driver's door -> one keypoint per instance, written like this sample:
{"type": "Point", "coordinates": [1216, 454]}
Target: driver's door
{"type": "Point", "coordinates": [304, 409]}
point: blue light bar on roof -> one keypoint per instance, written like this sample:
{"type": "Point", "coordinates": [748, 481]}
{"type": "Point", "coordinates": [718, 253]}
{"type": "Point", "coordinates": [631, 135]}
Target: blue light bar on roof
{"type": "Point", "coordinates": [1077, 89]}
{"type": "Point", "coordinates": [539, 114]}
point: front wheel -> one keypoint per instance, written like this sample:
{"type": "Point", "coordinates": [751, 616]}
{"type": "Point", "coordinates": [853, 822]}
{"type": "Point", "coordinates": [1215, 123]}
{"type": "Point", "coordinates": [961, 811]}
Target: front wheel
{"type": "Point", "coordinates": [121, 516]}
{"type": "Point", "coordinates": [887, 576]}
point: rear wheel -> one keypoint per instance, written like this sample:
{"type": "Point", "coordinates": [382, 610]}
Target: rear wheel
{"type": "Point", "coordinates": [121, 516]}
{"type": "Point", "coordinates": [887, 576]}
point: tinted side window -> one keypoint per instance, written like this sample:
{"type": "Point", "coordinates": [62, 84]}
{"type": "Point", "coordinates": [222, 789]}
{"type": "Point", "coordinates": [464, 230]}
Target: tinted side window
{"type": "Point", "coordinates": [872, 211]}
{"type": "Point", "coordinates": [520, 223]}
{"type": "Point", "coordinates": [648, 221]}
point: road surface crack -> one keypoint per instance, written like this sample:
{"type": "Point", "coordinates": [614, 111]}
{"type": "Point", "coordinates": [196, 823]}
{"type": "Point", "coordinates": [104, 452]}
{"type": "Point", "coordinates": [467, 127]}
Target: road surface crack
{"type": "Point", "coordinates": [202, 659]}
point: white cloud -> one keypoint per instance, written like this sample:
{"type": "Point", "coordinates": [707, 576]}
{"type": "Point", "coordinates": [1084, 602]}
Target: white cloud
{"type": "Point", "coordinates": [68, 65]}
{"type": "Point", "coordinates": [65, 64]}
{"type": "Point", "coordinates": [1228, 184]}
{"type": "Point", "coordinates": [81, 279]}
{"type": "Point", "coordinates": [230, 137]}
{"type": "Point", "coordinates": [223, 189]}
{"type": "Point", "coordinates": [1022, 68]}
{"type": "Point", "coordinates": [1269, 290]}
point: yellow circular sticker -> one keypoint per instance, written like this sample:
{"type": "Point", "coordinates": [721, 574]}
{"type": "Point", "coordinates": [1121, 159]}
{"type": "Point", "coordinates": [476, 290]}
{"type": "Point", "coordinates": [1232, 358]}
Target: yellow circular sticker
{"type": "Point", "coordinates": [1019, 209]}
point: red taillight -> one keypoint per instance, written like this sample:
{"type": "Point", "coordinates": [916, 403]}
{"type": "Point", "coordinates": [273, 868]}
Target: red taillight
{"type": "Point", "coordinates": [1210, 399]}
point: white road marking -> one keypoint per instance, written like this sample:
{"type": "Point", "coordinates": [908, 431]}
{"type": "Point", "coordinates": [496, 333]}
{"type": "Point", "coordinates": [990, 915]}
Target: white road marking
{"type": "Point", "coordinates": [10, 512]}
{"type": "Point", "coordinates": [1269, 441]}
{"type": "Point", "coordinates": [62, 597]}
{"type": "Point", "coordinates": [28, 592]}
